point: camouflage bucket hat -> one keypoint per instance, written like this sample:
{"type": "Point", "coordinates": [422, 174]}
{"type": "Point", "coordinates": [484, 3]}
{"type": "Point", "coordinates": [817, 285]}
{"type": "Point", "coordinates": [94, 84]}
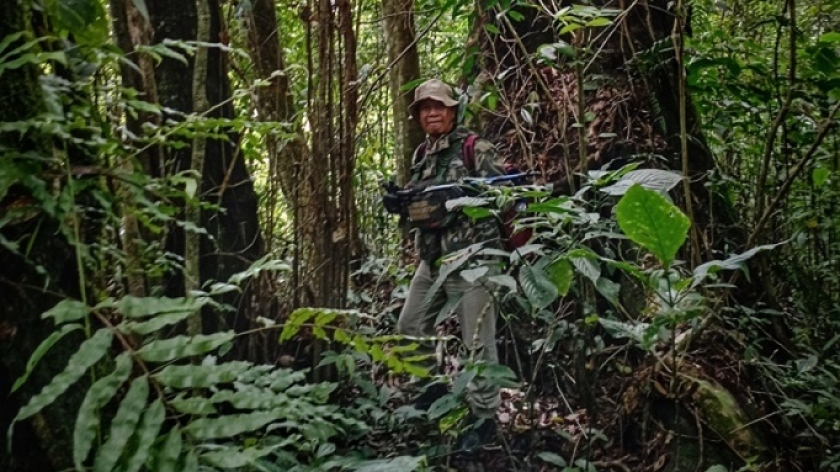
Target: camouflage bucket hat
{"type": "Point", "coordinates": [433, 89]}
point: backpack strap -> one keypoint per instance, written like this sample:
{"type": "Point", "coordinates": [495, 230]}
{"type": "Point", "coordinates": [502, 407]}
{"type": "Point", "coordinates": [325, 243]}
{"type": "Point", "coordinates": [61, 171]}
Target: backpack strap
{"type": "Point", "coordinates": [468, 151]}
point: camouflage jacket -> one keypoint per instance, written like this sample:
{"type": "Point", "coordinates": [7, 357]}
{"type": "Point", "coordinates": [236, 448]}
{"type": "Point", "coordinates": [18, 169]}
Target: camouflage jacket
{"type": "Point", "coordinates": [448, 151]}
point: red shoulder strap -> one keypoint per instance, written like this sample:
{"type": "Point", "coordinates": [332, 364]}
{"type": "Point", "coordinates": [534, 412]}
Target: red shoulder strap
{"type": "Point", "coordinates": [468, 150]}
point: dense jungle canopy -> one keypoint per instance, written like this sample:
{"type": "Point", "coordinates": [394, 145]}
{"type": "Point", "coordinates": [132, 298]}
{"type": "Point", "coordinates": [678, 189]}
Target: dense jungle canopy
{"type": "Point", "coordinates": [196, 272]}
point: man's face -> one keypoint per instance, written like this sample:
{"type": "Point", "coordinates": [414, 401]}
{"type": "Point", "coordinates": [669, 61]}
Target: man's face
{"type": "Point", "coordinates": [436, 119]}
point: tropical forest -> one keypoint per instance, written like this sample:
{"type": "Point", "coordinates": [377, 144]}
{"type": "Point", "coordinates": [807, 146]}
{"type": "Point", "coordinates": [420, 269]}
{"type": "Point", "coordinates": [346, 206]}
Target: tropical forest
{"type": "Point", "coordinates": [210, 243]}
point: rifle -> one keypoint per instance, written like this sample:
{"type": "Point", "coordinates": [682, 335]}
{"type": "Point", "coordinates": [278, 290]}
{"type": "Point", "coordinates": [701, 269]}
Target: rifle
{"type": "Point", "coordinates": [398, 200]}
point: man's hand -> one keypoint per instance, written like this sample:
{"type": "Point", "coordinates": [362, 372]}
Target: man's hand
{"type": "Point", "coordinates": [392, 202]}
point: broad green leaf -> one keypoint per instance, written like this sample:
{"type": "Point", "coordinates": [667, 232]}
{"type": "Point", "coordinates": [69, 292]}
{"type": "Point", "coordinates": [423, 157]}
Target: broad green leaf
{"type": "Point", "coordinates": [171, 453]}
{"type": "Point", "coordinates": [139, 307]}
{"type": "Point", "coordinates": [147, 107]}
{"type": "Point", "coordinates": [73, 15]}
{"type": "Point", "coordinates": [190, 462]}
{"type": "Point", "coordinates": [588, 267]}
{"type": "Point", "coordinates": [520, 252]}
{"type": "Point", "coordinates": [100, 393]}
{"type": "Point", "coordinates": [477, 213]}
{"type": "Point", "coordinates": [88, 354]}
{"type": "Point", "coordinates": [560, 273]}
{"type": "Point", "coordinates": [198, 406]}
{"type": "Point", "coordinates": [123, 425]}
{"type": "Point", "coordinates": [555, 205]}
{"type": "Point", "coordinates": [504, 280]}
{"type": "Point", "coordinates": [145, 436]}
{"type": "Point", "coordinates": [443, 405]}
{"type": "Point", "coordinates": [264, 264]}
{"type": "Point", "coordinates": [462, 380]}
{"type": "Point", "coordinates": [653, 222]}
{"type": "Point", "coordinates": [471, 275]}
{"type": "Point", "coordinates": [9, 39]}
{"type": "Point", "coordinates": [401, 463]}
{"type": "Point", "coordinates": [537, 287]}
{"type": "Point", "coordinates": [155, 324]}
{"type": "Point", "coordinates": [717, 468]}
{"type": "Point", "coordinates": [620, 329]}
{"type": "Point", "coordinates": [19, 49]}
{"type": "Point", "coordinates": [67, 310]}
{"type": "Point", "coordinates": [491, 28]}
{"type": "Point", "coordinates": [42, 349]}
{"type": "Point", "coordinates": [320, 317]}
{"type": "Point", "coordinates": [286, 377]}
{"type": "Point", "coordinates": [157, 50]}
{"type": "Point", "coordinates": [232, 425]}
{"type": "Point", "coordinates": [296, 319]}
{"type": "Point", "coordinates": [552, 458]}
{"type": "Point", "coordinates": [500, 375]}
{"type": "Point", "coordinates": [230, 458]}
{"type": "Point", "coordinates": [30, 58]}
{"type": "Point", "coordinates": [702, 271]}
{"type": "Point", "coordinates": [251, 399]}
{"type": "Point", "coordinates": [600, 21]}
{"type": "Point", "coordinates": [820, 176]}
{"type": "Point", "coordinates": [628, 268]}
{"type": "Point", "coordinates": [200, 376]}
{"type": "Point", "coordinates": [570, 28]}
{"type": "Point", "coordinates": [608, 289]}
{"type": "Point", "coordinates": [832, 37]}
{"type": "Point", "coordinates": [179, 347]}
{"type": "Point", "coordinates": [651, 179]}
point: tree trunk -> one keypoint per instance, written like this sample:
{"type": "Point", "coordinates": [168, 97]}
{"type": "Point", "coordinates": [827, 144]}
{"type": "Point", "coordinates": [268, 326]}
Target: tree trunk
{"type": "Point", "coordinates": [225, 181]}
{"type": "Point", "coordinates": [404, 64]}
{"type": "Point", "coordinates": [38, 268]}
{"type": "Point", "coordinates": [275, 104]}
{"type": "Point", "coordinates": [635, 110]}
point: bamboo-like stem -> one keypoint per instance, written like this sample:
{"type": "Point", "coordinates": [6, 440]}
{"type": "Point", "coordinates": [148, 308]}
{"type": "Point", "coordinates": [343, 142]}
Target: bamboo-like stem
{"type": "Point", "coordinates": [781, 115]}
{"type": "Point", "coordinates": [583, 165]}
{"type": "Point", "coordinates": [192, 239]}
{"type": "Point", "coordinates": [677, 38]}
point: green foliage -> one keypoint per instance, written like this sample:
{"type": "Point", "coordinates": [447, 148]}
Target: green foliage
{"type": "Point", "coordinates": [264, 399]}
{"type": "Point", "coordinates": [180, 347]}
{"type": "Point", "coordinates": [88, 420]}
{"type": "Point", "coordinates": [123, 425]}
{"type": "Point", "coordinates": [341, 323]}
{"type": "Point", "coordinates": [581, 255]}
{"type": "Point", "coordinates": [649, 220]}
{"type": "Point", "coordinates": [42, 349]}
{"type": "Point", "coordinates": [88, 354]}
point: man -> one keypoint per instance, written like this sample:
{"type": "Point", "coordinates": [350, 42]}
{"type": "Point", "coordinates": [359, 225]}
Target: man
{"type": "Point", "coordinates": [441, 160]}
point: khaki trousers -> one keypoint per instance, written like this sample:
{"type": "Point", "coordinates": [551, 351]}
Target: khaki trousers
{"type": "Point", "coordinates": [476, 312]}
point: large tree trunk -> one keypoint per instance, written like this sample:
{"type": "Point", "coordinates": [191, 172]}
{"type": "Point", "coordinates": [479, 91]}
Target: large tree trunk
{"type": "Point", "coordinates": [225, 181]}
{"type": "Point", "coordinates": [400, 40]}
{"type": "Point", "coordinates": [640, 109]}
{"type": "Point", "coordinates": [328, 219]}
{"type": "Point", "coordinates": [275, 104]}
{"type": "Point", "coordinates": [38, 268]}
{"type": "Point", "coordinates": [620, 98]}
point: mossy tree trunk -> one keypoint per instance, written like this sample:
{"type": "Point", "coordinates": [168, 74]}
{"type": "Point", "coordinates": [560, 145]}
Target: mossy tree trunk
{"type": "Point", "coordinates": [233, 238]}
{"type": "Point", "coordinates": [38, 267]}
